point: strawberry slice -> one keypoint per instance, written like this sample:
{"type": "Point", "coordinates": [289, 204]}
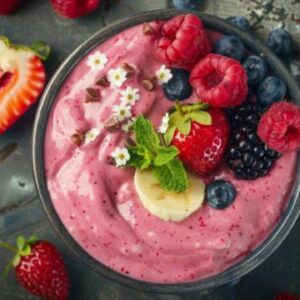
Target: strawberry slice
{"type": "Point", "coordinates": [22, 79]}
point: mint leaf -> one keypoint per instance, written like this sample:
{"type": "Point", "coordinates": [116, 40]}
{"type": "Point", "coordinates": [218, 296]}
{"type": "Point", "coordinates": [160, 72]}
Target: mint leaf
{"type": "Point", "coordinates": [164, 155]}
{"type": "Point", "coordinates": [140, 157]}
{"type": "Point", "coordinates": [145, 134]}
{"type": "Point", "coordinates": [172, 176]}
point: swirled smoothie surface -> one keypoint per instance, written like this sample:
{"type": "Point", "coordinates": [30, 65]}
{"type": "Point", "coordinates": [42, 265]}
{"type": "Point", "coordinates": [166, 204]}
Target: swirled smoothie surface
{"type": "Point", "coordinates": [99, 206]}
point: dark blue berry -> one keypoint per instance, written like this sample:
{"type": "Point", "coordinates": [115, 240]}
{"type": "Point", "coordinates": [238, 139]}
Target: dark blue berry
{"type": "Point", "coordinates": [280, 41]}
{"type": "Point", "coordinates": [178, 87]}
{"type": "Point", "coordinates": [270, 90]}
{"type": "Point", "coordinates": [220, 194]}
{"type": "Point", "coordinates": [256, 69]}
{"type": "Point", "coordinates": [240, 22]}
{"type": "Point", "coordinates": [186, 4]}
{"type": "Point", "coordinates": [230, 46]}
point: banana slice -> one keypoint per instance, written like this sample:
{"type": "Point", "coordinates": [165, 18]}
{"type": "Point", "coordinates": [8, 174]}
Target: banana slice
{"type": "Point", "coordinates": [168, 206]}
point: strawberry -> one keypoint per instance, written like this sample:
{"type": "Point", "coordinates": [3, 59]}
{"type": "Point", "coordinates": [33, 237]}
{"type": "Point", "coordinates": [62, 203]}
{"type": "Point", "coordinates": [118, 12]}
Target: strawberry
{"type": "Point", "coordinates": [183, 41]}
{"type": "Point", "coordinates": [279, 127]}
{"type": "Point", "coordinates": [22, 79]}
{"type": "Point", "coordinates": [39, 268]}
{"type": "Point", "coordinates": [286, 296]}
{"type": "Point", "coordinates": [9, 6]}
{"type": "Point", "coordinates": [74, 8]}
{"type": "Point", "coordinates": [200, 136]}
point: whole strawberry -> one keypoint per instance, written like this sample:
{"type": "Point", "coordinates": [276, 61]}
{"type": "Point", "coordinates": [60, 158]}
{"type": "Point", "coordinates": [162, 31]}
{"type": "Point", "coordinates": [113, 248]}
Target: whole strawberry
{"type": "Point", "coordinates": [74, 8]}
{"type": "Point", "coordinates": [40, 268]}
{"type": "Point", "coordinates": [9, 6]}
{"type": "Point", "coordinates": [201, 136]}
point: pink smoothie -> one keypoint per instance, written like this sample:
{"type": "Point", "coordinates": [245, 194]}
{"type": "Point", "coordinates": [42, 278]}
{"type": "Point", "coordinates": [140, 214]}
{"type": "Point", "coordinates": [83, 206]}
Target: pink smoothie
{"type": "Point", "coordinates": [99, 206]}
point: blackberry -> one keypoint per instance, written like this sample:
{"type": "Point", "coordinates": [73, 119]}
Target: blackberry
{"type": "Point", "coordinates": [247, 155]}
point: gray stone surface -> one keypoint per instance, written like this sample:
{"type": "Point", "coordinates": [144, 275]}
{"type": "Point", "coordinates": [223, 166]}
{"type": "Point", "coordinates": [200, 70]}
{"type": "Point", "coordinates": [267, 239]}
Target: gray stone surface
{"type": "Point", "coordinates": [20, 210]}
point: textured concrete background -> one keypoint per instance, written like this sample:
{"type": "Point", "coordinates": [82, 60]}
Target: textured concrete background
{"type": "Point", "coordinates": [20, 210]}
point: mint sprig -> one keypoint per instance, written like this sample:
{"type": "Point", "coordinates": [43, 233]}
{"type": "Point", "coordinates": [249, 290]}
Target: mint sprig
{"type": "Point", "coordinates": [149, 153]}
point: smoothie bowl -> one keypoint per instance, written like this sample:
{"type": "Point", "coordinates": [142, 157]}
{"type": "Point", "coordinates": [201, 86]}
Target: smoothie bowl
{"type": "Point", "coordinates": [152, 187]}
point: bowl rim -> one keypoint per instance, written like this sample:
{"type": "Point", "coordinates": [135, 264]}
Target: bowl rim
{"type": "Point", "coordinates": [264, 250]}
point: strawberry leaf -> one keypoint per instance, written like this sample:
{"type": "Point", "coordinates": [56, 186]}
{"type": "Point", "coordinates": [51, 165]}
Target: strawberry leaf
{"type": "Point", "coordinates": [16, 260]}
{"type": "Point", "coordinates": [41, 49]}
{"type": "Point", "coordinates": [168, 136]}
{"type": "Point", "coordinates": [184, 127]}
{"type": "Point", "coordinates": [21, 242]}
{"type": "Point", "coordinates": [165, 155]}
{"type": "Point", "coordinates": [201, 117]}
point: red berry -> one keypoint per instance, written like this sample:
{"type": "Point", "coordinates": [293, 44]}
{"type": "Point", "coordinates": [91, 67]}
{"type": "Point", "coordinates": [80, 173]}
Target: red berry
{"type": "Point", "coordinates": [9, 6]}
{"type": "Point", "coordinates": [183, 41]}
{"type": "Point", "coordinates": [74, 8]}
{"type": "Point", "coordinates": [203, 147]}
{"type": "Point", "coordinates": [279, 127]}
{"type": "Point", "coordinates": [286, 296]}
{"type": "Point", "coordinates": [43, 272]}
{"type": "Point", "coordinates": [219, 81]}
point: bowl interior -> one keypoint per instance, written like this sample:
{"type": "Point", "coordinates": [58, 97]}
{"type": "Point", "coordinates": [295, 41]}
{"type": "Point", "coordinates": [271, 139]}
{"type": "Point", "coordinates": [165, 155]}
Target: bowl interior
{"type": "Point", "coordinates": [251, 261]}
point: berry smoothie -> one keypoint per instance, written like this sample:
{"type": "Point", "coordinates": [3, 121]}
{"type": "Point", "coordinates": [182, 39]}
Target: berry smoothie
{"type": "Point", "coordinates": [98, 202]}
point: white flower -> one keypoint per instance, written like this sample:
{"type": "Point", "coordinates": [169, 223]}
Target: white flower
{"type": "Point", "coordinates": [163, 75]}
{"type": "Point", "coordinates": [91, 135]}
{"type": "Point", "coordinates": [164, 124]}
{"type": "Point", "coordinates": [121, 156]}
{"type": "Point", "coordinates": [122, 112]}
{"type": "Point", "coordinates": [117, 76]}
{"type": "Point", "coordinates": [97, 61]}
{"type": "Point", "coordinates": [130, 96]}
{"type": "Point", "coordinates": [126, 127]}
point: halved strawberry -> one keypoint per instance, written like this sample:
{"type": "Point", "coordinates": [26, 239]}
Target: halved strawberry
{"type": "Point", "coordinates": [22, 79]}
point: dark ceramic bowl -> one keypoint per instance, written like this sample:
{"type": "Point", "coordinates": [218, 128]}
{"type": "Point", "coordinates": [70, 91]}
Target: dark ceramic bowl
{"type": "Point", "coordinates": [246, 265]}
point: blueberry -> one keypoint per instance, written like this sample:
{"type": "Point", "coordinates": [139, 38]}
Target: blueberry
{"type": "Point", "coordinates": [240, 22]}
{"type": "Point", "coordinates": [186, 4]}
{"type": "Point", "coordinates": [270, 90]}
{"type": "Point", "coordinates": [280, 41]}
{"type": "Point", "coordinates": [178, 87]}
{"type": "Point", "coordinates": [220, 194]}
{"type": "Point", "coordinates": [230, 46]}
{"type": "Point", "coordinates": [256, 69]}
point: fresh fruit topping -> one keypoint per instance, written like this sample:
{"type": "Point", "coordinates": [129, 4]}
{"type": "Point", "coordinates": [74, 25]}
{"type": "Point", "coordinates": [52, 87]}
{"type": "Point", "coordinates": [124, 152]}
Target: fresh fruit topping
{"type": "Point", "coordinates": [178, 87]}
{"type": "Point", "coordinates": [280, 41]}
{"type": "Point", "coordinates": [39, 268]}
{"type": "Point", "coordinates": [230, 46]}
{"type": "Point", "coordinates": [92, 95]}
{"type": "Point", "coordinates": [286, 296]}
{"type": "Point", "coordinates": [148, 152]}
{"type": "Point", "coordinates": [219, 81]}
{"type": "Point", "coordinates": [240, 22]}
{"type": "Point", "coordinates": [9, 6]}
{"type": "Point", "coordinates": [247, 155]}
{"type": "Point", "coordinates": [74, 8]}
{"type": "Point", "coordinates": [147, 29]}
{"type": "Point", "coordinates": [256, 69]}
{"type": "Point", "coordinates": [270, 90]}
{"type": "Point", "coordinates": [22, 79]}
{"type": "Point", "coordinates": [168, 206]}
{"type": "Point", "coordinates": [279, 127]}
{"type": "Point", "coordinates": [200, 136]}
{"type": "Point", "coordinates": [186, 4]}
{"type": "Point", "coordinates": [183, 41]}
{"type": "Point", "coordinates": [220, 194]}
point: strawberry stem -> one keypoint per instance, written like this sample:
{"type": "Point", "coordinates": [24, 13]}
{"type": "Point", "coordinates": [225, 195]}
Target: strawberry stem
{"type": "Point", "coordinates": [179, 109]}
{"type": "Point", "coordinates": [8, 247]}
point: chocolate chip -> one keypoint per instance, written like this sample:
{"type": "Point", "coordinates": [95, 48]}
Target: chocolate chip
{"type": "Point", "coordinates": [77, 138]}
{"type": "Point", "coordinates": [92, 95]}
{"type": "Point", "coordinates": [129, 69]}
{"type": "Point", "coordinates": [148, 84]}
{"type": "Point", "coordinates": [147, 29]}
{"type": "Point", "coordinates": [112, 123]}
{"type": "Point", "coordinates": [102, 81]}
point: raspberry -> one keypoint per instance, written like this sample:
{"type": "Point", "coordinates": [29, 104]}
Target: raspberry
{"type": "Point", "coordinates": [183, 41]}
{"type": "Point", "coordinates": [219, 81]}
{"type": "Point", "coordinates": [279, 127]}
